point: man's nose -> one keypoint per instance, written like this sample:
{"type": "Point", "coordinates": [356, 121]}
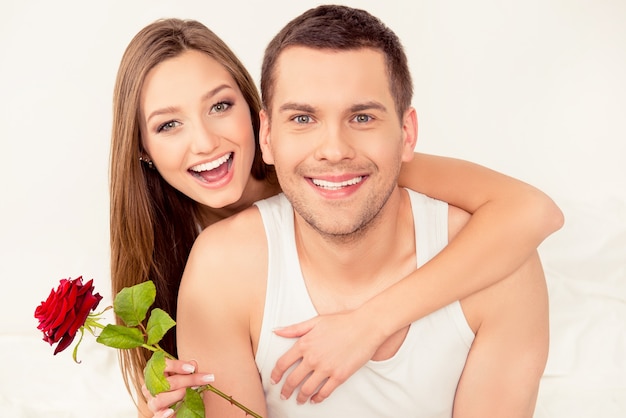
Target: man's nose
{"type": "Point", "coordinates": [334, 145]}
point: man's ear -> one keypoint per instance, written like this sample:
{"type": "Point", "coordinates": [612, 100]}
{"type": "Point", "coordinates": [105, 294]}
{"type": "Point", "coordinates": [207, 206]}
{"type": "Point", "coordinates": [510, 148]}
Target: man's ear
{"type": "Point", "coordinates": [409, 134]}
{"type": "Point", "coordinates": [264, 137]}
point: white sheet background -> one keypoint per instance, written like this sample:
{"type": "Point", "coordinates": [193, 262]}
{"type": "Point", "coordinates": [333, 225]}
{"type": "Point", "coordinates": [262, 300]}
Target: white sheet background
{"type": "Point", "coordinates": [535, 89]}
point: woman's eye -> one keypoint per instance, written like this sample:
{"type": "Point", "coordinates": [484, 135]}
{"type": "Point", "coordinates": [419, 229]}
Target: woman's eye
{"type": "Point", "coordinates": [302, 119]}
{"type": "Point", "coordinates": [220, 107]}
{"type": "Point", "coordinates": [167, 126]}
{"type": "Point", "coordinates": [362, 118]}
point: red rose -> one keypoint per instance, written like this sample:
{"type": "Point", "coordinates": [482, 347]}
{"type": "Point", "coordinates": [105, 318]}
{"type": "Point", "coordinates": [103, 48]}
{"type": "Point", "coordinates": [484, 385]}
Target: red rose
{"type": "Point", "coordinates": [65, 311]}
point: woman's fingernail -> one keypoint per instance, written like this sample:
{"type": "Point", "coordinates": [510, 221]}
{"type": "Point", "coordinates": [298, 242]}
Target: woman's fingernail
{"type": "Point", "coordinates": [189, 368]}
{"type": "Point", "coordinates": [208, 378]}
{"type": "Point", "coordinates": [272, 381]}
{"type": "Point", "coordinates": [168, 413]}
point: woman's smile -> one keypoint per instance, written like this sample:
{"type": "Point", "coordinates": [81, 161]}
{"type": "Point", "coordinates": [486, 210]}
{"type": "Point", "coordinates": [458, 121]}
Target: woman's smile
{"type": "Point", "coordinates": [213, 171]}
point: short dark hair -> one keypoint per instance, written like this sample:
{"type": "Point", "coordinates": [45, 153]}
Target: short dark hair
{"type": "Point", "coordinates": [341, 28]}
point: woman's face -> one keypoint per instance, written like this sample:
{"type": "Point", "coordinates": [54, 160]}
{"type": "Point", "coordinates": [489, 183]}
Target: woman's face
{"type": "Point", "coordinates": [196, 127]}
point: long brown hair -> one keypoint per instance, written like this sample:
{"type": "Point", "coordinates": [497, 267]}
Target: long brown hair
{"type": "Point", "coordinates": [153, 225]}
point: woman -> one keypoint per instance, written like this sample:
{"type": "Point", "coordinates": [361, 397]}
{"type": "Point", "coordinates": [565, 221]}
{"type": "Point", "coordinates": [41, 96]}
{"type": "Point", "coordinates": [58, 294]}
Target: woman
{"type": "Point", "coordinates": [185, 154]}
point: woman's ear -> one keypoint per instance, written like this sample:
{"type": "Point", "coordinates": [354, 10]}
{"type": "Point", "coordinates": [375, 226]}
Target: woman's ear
{"type": "Point", "coordinates": [264, 137]}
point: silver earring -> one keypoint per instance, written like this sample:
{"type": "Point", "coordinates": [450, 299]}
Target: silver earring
{"type": "Point", "coordinates": [148, 162]}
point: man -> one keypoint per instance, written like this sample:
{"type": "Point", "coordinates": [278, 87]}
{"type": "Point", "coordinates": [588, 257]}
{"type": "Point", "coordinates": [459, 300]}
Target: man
{"type": "Point", "coordinates": [337, 124]}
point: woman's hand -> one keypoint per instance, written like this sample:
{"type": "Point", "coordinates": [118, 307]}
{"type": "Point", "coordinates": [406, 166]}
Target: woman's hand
{"type": "Point", "coordinates": [180, 375]}
{"type": "Point", "coordinates": [332, 348]}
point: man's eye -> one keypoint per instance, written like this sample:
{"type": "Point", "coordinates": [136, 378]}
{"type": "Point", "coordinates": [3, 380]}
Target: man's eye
{"type": "Point", "coordinates": [167, 126]}
{"type": "Point", "coordinates": [302, 119]}
{"type": "Point", "coordinates": [220, 107]}
{"type": "Point", "coordinates": [362, 118]}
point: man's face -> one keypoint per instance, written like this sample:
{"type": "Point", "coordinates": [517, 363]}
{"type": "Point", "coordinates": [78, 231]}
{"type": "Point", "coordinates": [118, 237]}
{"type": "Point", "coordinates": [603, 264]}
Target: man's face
{"type": "Point", "coordinates": [335, 137]}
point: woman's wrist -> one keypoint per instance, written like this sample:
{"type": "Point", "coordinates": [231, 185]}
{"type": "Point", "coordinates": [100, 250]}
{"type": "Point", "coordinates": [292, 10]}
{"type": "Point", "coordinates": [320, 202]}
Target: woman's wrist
{"type": "Point", "coordinates": [377, 318]}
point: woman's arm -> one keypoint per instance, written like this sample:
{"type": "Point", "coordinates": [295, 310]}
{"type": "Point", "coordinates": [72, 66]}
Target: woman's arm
{"type": "Point", "coordinates": [510, 219]}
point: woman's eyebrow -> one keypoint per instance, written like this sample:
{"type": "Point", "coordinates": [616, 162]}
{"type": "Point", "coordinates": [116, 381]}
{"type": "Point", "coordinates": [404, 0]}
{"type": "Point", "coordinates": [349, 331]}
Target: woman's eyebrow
{"type": "Point", "coordinates": [174, 109]}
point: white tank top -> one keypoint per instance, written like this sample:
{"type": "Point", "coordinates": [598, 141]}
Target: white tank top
{"type": "Point", "coordinates": [420, 380]}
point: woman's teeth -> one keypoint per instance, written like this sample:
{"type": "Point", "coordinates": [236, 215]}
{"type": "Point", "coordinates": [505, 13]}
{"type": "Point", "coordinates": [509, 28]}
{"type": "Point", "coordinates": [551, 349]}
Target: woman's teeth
{"type": "Point", "coordinates": [331, 185]}
{"type": "Point", "coordinates": [211, 165]}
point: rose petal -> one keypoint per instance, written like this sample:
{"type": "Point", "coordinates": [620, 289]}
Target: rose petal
{"type": "Point", "coordinates": [65, 311]}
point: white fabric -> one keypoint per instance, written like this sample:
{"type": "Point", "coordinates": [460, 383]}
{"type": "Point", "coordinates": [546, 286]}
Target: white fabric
{"type": "Point", "coordinates": [419, 380]}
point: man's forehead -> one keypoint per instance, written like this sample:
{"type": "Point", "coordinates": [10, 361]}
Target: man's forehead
{"type": "Point", "coordinates": [302, 73]}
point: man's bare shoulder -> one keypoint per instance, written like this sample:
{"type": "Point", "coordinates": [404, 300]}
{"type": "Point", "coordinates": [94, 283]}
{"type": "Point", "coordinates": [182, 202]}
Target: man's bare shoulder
{"type": "Point", "coordinates": [509, 352]}
{"type": "Point", "coordinates": [232, 252]}
{"type": "Point", "coordinates": [243, 230]}
{"type": "Point", "coordinates": [457, 218]}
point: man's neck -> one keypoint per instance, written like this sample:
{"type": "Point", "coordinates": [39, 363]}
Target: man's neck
{"type": "Point", "coordinates": [355, 268]}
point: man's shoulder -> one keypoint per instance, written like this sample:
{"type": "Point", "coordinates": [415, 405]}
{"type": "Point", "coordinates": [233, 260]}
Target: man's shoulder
{"type": "Point", "coordinates": [231, 253]}
{"type": "Point", "coordinates": [246, 223]}
{"type": "Point", "coordinates": [457, 219]}
{"type": "Point", "coordinates": [231, 238]}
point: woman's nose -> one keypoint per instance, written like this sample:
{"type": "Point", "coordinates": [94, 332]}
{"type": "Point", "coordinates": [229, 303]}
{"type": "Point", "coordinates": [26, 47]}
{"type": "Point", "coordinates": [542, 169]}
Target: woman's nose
{"type": "Point", "coordinates": [204, 140]}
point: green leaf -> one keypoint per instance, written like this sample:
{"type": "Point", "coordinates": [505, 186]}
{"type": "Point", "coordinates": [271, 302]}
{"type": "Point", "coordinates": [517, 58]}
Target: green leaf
{"type": "Point", "coordinates": [156, 382]}
{"type": "Point", "coordinates": [131, 303]}
{"type": "Point", "coordinates": [118, 336]}
{"type": "Point", "coordinates": [158, 324]}
{"type": "Point", "coordinates": [191, 406]}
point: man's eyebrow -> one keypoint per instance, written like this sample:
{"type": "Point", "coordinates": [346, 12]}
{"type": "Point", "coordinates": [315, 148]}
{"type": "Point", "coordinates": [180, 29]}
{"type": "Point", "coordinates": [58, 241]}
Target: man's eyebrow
{"type": "Point", "coordinates": [299, 107]}
{"type": "Point", "coordinates": [371, 105]}
{"type": "Point", "coordinates": [359, 107]}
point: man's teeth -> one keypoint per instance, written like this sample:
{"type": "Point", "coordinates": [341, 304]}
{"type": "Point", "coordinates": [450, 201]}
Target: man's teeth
{"type": "Point", "coordinates": [211, 165]}
{"type": "Point", "coordinates": [331, 185]}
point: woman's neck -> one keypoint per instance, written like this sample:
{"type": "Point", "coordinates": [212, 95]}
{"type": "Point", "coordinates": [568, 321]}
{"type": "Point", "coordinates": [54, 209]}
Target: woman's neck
{"type": "Point", "coordinates": [255, 190]}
